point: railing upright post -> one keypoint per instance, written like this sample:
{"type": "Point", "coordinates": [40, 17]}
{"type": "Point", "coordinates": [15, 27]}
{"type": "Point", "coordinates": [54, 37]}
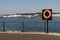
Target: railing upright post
{"type": "Point", "coordinates": [22, 26]}
{"type": "Point", "coordinates": [44, 26]}
{"type": "Point", "coordinates": [4, 26]}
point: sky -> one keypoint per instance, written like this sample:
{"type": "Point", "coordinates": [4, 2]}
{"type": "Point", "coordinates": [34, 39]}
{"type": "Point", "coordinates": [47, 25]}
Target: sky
{"type": "Point", "coordinates": [28, 6]}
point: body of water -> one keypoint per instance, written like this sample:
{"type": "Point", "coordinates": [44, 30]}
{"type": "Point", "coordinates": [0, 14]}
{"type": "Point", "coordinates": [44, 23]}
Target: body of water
{"type": "Point", "coordinates": [29, 24]}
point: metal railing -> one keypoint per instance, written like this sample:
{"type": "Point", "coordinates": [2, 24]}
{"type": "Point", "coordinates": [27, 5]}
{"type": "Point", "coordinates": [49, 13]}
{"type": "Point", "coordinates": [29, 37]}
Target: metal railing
{"type": "Point", "coordinates": [31, 26]}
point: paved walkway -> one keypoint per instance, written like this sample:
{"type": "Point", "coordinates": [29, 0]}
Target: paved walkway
{"type": "Point", "coordinates": [28, 36]}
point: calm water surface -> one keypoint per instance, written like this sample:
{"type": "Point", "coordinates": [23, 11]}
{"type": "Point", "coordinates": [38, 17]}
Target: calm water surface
{"type": "Point", "coordinates": [29, 24]}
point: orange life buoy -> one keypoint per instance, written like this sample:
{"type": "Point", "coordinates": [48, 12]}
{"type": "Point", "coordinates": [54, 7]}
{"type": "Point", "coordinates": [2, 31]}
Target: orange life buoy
{"type": "Point", "coordinates": [45, 13]}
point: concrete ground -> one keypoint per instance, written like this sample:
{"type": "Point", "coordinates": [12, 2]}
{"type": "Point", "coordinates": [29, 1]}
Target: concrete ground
{"type": "Point", "coordinates": [28, 36]}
